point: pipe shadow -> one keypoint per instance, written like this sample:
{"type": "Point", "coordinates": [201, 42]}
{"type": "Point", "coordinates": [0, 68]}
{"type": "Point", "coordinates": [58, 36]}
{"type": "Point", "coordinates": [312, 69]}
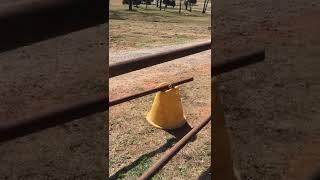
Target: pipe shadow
{"type": "Point", "coordinates": [163, 148]}
{"type": "Point", "coordinates": [315, 175]}
{"type": "Point", "coordinates": [177, 135]}
{"type": "Point", "coordinates": [206, 175]}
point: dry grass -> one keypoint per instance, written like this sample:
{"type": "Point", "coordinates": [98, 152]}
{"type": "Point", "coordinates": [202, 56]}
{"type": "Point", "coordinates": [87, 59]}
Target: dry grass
{"type": "Point", "coordinates": [134, 145]}
{"type": "Point", "coordinates": [151, 27]}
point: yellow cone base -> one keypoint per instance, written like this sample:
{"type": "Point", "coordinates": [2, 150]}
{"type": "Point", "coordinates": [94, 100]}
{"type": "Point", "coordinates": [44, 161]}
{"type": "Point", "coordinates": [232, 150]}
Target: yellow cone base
{"type": "Point", "coordinates": [166, 111]}
{"type": "Point", "coordinates": [165, 127]}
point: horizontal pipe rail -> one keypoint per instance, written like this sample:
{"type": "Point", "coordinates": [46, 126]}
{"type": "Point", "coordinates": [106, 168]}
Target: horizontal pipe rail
{"type": "Point", "coordinates": [217, 68]}
{"type": "Point", "coordinates": [41, 120]}
{"type": "Point", "coordinates": [160, 88]}
{"type": "Point", "coordinates": [28, 21]}
{"type": "Point", "coordinates": [154, 59]}
{"type": "Point", "coordinates": [173, 151]}
{"type": "Point", "coordinates": [235, 63]}
{"type": "Point", "coordinates": [38, 121]}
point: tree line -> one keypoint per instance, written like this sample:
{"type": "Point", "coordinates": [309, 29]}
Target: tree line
{"type": "Point", "coordinates": [159, 3]}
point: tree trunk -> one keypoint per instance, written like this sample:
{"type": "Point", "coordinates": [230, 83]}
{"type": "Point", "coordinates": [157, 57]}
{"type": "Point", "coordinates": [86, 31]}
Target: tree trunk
{"type": "Point", "coordinates": [204, 7]}
{"type": "Point", "coordinates": [130, 5]}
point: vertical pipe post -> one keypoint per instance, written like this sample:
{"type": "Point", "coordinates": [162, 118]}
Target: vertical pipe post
{"type": "Point", "coordinates": [222, 167]}
{"type": "Point", "coordinates": [222, 159]}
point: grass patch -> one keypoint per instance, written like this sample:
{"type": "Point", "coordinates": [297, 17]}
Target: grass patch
{"type": "Point", "coordinates": [137, 171]}
{"type": "Point", "coordinates": [146, 28]}
{"type": "Point", "coordinates": [142, 28]}
{"type": "Point", "coordinates": [153, 14]}
{"type": "Point", "coordinates": [183, 170]}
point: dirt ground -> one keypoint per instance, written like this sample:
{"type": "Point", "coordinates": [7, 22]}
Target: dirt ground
{"type": "Point", "coordinates": [51, 73]}
{"type": "Point", "coordinates": [134, 145]}
{"type": "Point", "coordinates": [272, 108]}
{"type": "Point", "coordinates": [148, 28]}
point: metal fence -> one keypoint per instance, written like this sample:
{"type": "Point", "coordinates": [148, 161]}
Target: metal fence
{"type": "Point", "coordinates": [32, 22]}
{"type": "Point", "coordinates": [26, 22]}
{"type": "Point", "coordinates": [217, 68]}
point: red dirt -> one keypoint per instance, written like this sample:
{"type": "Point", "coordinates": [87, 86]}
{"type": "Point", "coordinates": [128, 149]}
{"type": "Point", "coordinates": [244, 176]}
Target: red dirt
{"type": "Point", "coordinates": [272, 108]}
{"type": "Point", "coordinates": [51, 73]}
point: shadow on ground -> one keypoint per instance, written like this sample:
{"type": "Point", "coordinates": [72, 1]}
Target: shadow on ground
{"type": "Point", "coordinates": [177, 135]}
{"type": "Point", "coordinates": [206, 175]}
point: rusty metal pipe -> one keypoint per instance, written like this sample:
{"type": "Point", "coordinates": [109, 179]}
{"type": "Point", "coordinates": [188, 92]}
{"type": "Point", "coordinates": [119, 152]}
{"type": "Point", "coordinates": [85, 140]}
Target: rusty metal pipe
{"type": "Point", "coordinates": [160, 88]}
{"type": "Point", "coordinates": [41, 120]}
{"type": "Point", "coordinates": [25, 22]}
{"type": "Point", "coordinates": [62, 114]}
{"type": "Point", "coordinates": [154, 59]}
{"type": "Point", "coordinates": [235, 63]}
{"type": "Point", "coordinates": [173, 151]}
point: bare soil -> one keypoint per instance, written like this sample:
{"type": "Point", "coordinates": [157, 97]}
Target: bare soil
{"type": "Point", "coordinates": [149, 27]}
{"type": "Point", "coordinates": [272, 108]}
{"type": "Point", "coordinates": [133, 139]}
{"type": "Point", "coordinates": [52, 73]}
{"type": "Point", "coordinates": [134, 145]}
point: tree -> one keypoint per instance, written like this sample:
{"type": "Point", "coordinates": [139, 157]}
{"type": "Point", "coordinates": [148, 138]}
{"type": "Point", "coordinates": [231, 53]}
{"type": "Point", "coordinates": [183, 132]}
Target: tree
{"type": "Point", "coordinates": [205, 5]}
{"type": "Point", "coordinates": [130, 5]}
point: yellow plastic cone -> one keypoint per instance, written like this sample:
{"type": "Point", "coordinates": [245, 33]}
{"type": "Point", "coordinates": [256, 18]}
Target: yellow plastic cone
{"type": "Point", "coordinates": [166, 111]}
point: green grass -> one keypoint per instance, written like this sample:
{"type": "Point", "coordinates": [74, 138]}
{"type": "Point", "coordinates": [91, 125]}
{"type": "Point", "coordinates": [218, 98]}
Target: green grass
{"type": "Point", "coordinates": [138, 170]}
